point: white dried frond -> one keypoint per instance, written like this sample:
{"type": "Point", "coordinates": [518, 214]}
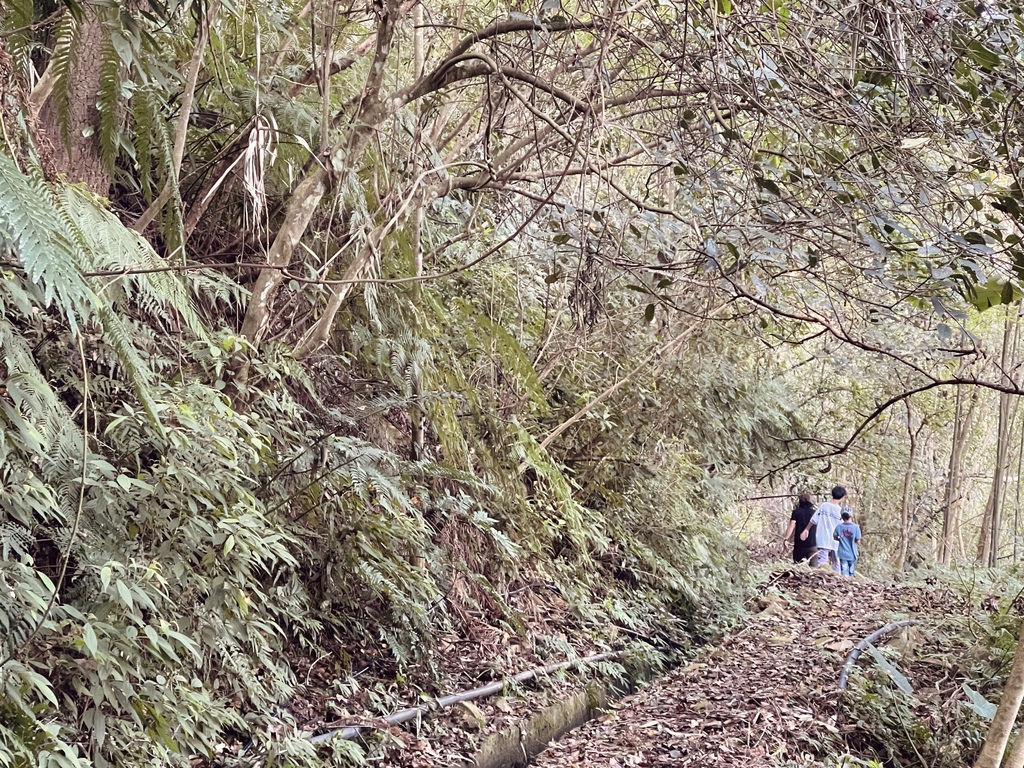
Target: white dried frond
{"type": "Point", "coordinates": [260, 151]}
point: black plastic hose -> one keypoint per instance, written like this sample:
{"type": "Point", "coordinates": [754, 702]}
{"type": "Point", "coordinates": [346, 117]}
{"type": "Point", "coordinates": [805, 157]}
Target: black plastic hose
{"type": "Point", "coordinates": [859, 648]}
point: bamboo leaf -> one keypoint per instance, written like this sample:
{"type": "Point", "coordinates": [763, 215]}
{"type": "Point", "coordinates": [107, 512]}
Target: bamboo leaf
{"type": "Point", "coordinates": [895, 675]}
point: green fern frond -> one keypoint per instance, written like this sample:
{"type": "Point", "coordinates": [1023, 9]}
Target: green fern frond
{"type": "Point", "coordinates": [152, 136]}
{"type": "Point", "coordinates": [19, 295]}
{"type": "Point", "coordinates": [214, 286]}
{"type": "Point", "coordinates": [147, 116]}
{"type": "Point", "coordinates": [30, 229]}
{"type": "Point", "coordinates": [51, 244]}
{"type": "Point", "coordinates": [112, 246]}
{"type": "Point", "coordinates": [139, 373]}
{"type": "Point", "coordinates": [14, 540]}
{"type": "Point", "coordinates": [173, 228]}
{"type": "Point", "coordinates": [31, 406]}
{"type": "Point", "coordinates": [173, 224]}
{"type": "Point", "coordinates": [62, 62]}
{"type": "Point", "coordinates": [108, 103]}
{"type": "Point", "coordinates": [18, 15]}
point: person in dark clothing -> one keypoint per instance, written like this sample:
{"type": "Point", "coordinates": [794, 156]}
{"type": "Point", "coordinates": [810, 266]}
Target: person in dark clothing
{"type": "Point", "coordinates": [798, 521]}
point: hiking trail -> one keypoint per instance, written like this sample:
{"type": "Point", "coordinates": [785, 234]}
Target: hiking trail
{"type": "Point", "coordinates": [767, 694]}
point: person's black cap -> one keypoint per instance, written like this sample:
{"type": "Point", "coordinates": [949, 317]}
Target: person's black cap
{"type": "Point", "coordinates": [838, 492]}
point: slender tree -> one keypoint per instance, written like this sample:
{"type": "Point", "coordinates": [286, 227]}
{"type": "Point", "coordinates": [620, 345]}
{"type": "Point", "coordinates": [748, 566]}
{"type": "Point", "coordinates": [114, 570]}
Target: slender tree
{"type": "Point", "coordinates": [963, 423]}
{"type": "Point", "coordinates": [991, 528]}
{"type": "Point", "coordinates": [907, 499]}
{"type": "Point", "coordinates": [1009, 704]}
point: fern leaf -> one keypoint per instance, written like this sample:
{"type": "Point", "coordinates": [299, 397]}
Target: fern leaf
{"type": "Point", "coordinates": [139, 373]}
{"type": "Point", "coordinates": [109, 102]}
{"type": "Point", "coordinates": [19, 15]}
{"type": "Point", "coordinates": [112, 246]}
{"type": "Point", "coordinates": [30, 229]}
{"type": "Point", "coordinates": [62, 62]}
{"type": "Point", "coordinates": [35, 406]}
{"type": "Point", "coordinates": [50, 243]}
{"type": "Point", "coordinates": [147, 116]}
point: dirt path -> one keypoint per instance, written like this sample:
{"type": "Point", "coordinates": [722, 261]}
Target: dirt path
{"type": "Point", "coordinates": [765, 696]}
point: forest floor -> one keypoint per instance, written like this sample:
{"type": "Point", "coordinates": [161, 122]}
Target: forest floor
{"type": "Point", "coordinates": [766, 696]}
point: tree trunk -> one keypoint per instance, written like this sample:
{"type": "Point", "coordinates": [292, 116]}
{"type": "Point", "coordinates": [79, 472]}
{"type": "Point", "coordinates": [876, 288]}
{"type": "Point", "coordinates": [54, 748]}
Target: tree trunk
{"type": "Point", "coordinates": [416, 414]}
{"type": "Point", "coordinates": [908, 489]}
{"type": "Point", "coordinates": [1016, 757]}
{"type": "Point", "coordinates": [80, 157]}
{"type": "Point", "coordinates": [962, 427]}
{"type": "Point", "coordinates": [1002, 450]}
{"type": "Point", "coordinates": [1009, 704]}
{"type": "Point", "coordinates": [1016, 500]}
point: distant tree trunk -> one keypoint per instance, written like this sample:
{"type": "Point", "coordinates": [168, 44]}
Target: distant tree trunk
{"type": "Point", "coordinates": [962, 426]}
{"type": "Point", "coordinates": [1016, 499]}
{"type": "Point", "coordinates": [993, 513]}
{"type": "Point", "coordinates": [416, 414]}
{"type": "Point", "coordinates": [1009, 704]}
{"type": "Point", "coordinates": [985, 532]}
{"type": "Point", "coordinates": [908, 489]}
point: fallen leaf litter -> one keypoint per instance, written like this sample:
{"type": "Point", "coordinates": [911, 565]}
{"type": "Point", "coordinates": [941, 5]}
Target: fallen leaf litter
{"type": "Point", "coordinates": [765, 696]}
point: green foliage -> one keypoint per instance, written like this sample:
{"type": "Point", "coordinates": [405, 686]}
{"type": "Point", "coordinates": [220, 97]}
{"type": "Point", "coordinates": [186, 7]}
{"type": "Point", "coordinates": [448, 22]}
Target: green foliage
{"type": "Point", "coordinates": [30, 228]}
{"type": "Point", "coordinates": [185, 511]}
{"type": "Point", "coordinates": [144, 581]}
{"type": "Point", "coordinates": [62, 62]}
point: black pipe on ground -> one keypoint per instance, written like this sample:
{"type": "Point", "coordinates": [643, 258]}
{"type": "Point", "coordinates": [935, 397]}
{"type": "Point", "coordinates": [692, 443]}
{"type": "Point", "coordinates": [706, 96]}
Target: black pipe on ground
{"type": "Point", "coordinates": [859, 648]}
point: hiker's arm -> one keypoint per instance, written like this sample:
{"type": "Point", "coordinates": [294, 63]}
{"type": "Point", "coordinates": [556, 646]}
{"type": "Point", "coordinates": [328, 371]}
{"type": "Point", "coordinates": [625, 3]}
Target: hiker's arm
{"type": "Point", "coordinates": [790, 531]}
{"type": "Point", "coordinates": [814, 519]}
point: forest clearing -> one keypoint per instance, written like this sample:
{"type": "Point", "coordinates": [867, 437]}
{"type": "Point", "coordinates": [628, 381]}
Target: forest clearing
{"type": "Point", "coordinates": [355, 355]}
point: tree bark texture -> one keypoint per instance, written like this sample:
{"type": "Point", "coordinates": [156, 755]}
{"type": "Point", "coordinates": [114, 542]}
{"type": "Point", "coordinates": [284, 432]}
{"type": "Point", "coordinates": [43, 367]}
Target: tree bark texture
{"type": "Point", "coordinates": [1016, 756]}
{"type": "Point", "coordinates": [80, 158]}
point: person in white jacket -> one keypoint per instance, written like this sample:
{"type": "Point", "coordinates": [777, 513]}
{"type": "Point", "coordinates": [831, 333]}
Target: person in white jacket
{"type": "Point", "coordinates": [826, 518]}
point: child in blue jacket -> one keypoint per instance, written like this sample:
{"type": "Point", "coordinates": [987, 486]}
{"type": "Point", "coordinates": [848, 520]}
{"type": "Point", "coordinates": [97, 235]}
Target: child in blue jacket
{"type": "Point", "coordinates": [848, 536]}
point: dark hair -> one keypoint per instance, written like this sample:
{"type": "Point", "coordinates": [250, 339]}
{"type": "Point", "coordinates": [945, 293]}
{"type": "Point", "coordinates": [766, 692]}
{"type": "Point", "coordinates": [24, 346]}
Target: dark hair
{"type": "Point", "coordinates": [838, 492]}
{"type": "Point", "coordinates": [805, 496]}
{"type": "Point", "coordinates": [846, 515]}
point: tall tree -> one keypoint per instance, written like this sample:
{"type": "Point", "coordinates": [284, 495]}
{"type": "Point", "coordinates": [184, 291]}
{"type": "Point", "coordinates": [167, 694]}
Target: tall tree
{"type": "Point", "coordinates": [963, 423]}
{"type": "Point", "coordinates": [1009, 704]}
{"type": "Point", "coordinates": [914, 428]}
{"type": "Point", "coordinates": [992, 524]}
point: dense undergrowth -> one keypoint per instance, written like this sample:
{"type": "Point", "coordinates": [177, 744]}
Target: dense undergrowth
{"type": "Point", "coordinates": [182, 516]}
